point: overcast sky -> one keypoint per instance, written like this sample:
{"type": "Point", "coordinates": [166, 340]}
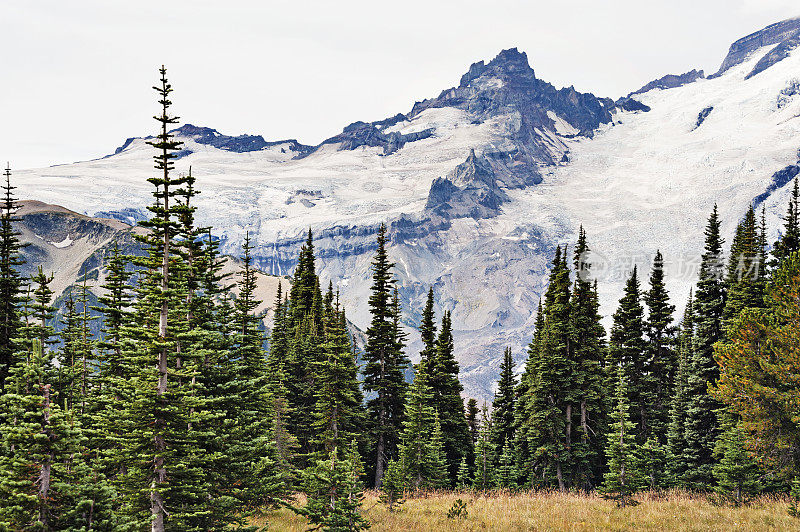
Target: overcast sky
{"type": "Point", "coordinates": [77, 75]}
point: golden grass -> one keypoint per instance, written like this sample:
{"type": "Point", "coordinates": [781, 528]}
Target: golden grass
{"type": "Point", "coordinates": [540, 511]}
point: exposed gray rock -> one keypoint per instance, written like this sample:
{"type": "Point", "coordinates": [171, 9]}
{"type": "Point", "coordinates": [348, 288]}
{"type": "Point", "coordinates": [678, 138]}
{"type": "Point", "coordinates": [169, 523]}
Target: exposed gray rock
{"type": "Point", "coordinates": [670, 81]}
{"type": "Point", "coordinates": [471, 190]}
{"type": "Point", "coordinates": [772, 34]}
{"type": "Point", "coordinates": [779, 53]}
{"type": "Point", "coordinates": [360, 134]}
{"type": "Point", "coordinates": [702, 115]}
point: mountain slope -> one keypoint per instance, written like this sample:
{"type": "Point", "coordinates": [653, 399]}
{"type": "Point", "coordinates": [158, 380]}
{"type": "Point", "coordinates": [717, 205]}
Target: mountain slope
{"type": "Point", "coordinates": [478, 185]}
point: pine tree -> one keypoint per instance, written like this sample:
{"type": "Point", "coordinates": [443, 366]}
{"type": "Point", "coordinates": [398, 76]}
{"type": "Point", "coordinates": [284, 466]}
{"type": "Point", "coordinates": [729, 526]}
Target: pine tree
{"type": "Point", "coordinates": [549, 399]}
{"type": "Point", "coordinates": [759, 371]}
{"type": "Point", "coordinates": [384, 365]}
{"type": "Point", "coordinates": [166, 482]}
{"type": "Point", "coordinates": [794, 506]}
{"type": "Point", "coordinates": [414, 452]}
{"type": "Point", "coordinates": [427, 330]}
{"type": "Point", "coordinates": [702, 427]}
{"type": "Point", "coordinates": [661, 362]}
{"type": "Point", "coordinates": [652, 464]}
{"type": "Point", "coordinates": [11, 291]}
{"type": "Point", "coordinates": [463, 478]}
{"type": "Point", "coordinates": [623, 477]}
{"type": "Point", "coordinates": [439, 476]}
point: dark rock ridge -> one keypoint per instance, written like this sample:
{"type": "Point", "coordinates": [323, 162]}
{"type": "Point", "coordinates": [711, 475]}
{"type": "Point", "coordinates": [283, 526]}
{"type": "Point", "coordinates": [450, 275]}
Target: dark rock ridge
{"type": "Point", "coordinates": [772, 34]}
{"type": "Point", "coordinates": [779, 179]}
{"type": "Point", "coordinates": [671, 81]}
{"type": "Point", "coordinates": [779, 53]}
{"type": "Point", "coordinates": [702, 115]}
{"type": "Point", "coordinates": [471, 190]}
{"type": "Point", "coordinates": [360, 134]}
{"type": "Point", "coordinates": [237, 144]}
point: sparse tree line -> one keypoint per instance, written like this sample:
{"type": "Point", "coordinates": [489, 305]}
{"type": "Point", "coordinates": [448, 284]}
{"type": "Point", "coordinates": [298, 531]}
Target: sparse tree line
{"type": "Point", "coordinates": [176, 417]}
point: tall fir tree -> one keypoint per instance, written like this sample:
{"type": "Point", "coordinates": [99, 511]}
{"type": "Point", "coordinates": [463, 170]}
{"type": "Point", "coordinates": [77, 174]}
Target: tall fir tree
{"type": "Point", "coordinates": [11, 289]}
{"type": "Point", "coordinates": [623, 478]}
{"type": "Point", "coordinates": [384, 365]}
{"type": "Point", "coordinates": [503, 404]}
{"type": "Point", "coordinates": [587, 346]}
{"type": "Point", "coordinates": [627, 350]}
{"type": "Point", "coordinates": [789, 242]}
{"type": "Point", "coordinates": [661, 361]}
{"type": "Point", "coordinates": [701, 424]}
{"type": "Point", "coordinates": [676, 432]}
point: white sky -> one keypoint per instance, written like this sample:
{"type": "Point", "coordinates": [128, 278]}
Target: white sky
{"type": "Point", "coordinates": [77, 75]}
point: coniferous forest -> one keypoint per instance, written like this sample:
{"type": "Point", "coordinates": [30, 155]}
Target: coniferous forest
{"type": "Point", "coordinates": [184, 414]}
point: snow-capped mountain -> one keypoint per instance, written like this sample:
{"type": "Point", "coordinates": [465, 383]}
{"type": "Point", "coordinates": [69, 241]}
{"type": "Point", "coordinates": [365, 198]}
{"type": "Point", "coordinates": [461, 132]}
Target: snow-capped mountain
{"type": "Point", "coordinates": [480, 183]}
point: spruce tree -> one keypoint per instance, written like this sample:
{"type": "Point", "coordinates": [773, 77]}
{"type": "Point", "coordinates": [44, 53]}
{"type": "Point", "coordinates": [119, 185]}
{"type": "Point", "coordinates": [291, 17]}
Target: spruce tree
{"type": "Point", "coordinates": [472, 419]}
{"type": "Point", "coordinates": [746, 275]}
{"type": "Point", "coordinates": [702, 427]}
{"type": "Point", "coordinates": [11, 290]}
{"type": "Point", "coordinates": [384, 365]}
{"type": "Point", "coordinates": [415, 440]}
{"type": "Point", "coordinates": [506, 471]}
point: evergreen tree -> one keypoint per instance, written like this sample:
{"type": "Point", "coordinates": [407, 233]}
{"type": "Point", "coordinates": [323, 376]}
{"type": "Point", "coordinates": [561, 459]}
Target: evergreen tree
{"type": "Point", "coordinates": [623, 477]}
{"type": "Point", "coordinates": [702, 427]}
{"type": "Point", "coordinates": [676, 433]}
{"type": "Point", "coordinates": [587, 345]}
{"type": "Point", "coordinates": [333, 492]}
{"type": "Point", "coordinates": [484, 454]}
{"type": "Point", "coordinates": [418, 424]}
{"type": "Point", "coordinates": [661, 362]}
{"type": "Point", "coordinates": [759, 374]}
{"type": "Point", "coordinates": [442, 377]}
{"type": "Point", "coordinates": [463, 478]}
{"type": "Point", "coordinates": [472, 419]}
{"type": "Point", "coordinates": [627, 351]}
{"type": "Point", "coordinates": [789, 241]}
{"type": "Point", "coordinates": [745, 278]}
{"type": "Point", "coordinates": [427, 330]}
{"type": "Point", "coordinates": [11, 291]}
{"type": "Point", "coordinates": [38, 440]}
{"type": "Point", "coordinates": [384, 365]}
{"type": "Point", "coordinates": [737, 474]}
{"type": "Point", "coordinates": [506, 470]}
{"type": "Point", "coordinates": [503, 404]}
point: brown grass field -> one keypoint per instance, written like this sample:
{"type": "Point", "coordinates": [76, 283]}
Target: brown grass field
{"type": "Point", "coordinates": [535, 511]}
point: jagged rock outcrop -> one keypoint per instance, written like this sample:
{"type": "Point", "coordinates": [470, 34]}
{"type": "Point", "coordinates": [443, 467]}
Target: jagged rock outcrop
{"type": "Point", "coordinates": [772, 34]}
{"type": "Point", "coordinates": [779, 53]}
{"type": "Point", "coordinates": [670, 81]}
{"type": "Point", "coordinates": [471, 190]}
{"type": "Point", "coordinates": [360, 134]}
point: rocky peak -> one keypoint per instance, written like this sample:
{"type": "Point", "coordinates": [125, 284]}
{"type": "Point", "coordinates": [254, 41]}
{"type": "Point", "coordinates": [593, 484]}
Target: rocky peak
{"type": "Point", "coordinates": [470, 190]}
{"type": "Point", "coordinates": [772, 34]}
{"type": "Point", "coordinates": [508, 65]}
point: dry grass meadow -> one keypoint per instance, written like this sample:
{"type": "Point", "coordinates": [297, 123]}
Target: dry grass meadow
{"type": "Point", "coordinates": [544, 511]}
